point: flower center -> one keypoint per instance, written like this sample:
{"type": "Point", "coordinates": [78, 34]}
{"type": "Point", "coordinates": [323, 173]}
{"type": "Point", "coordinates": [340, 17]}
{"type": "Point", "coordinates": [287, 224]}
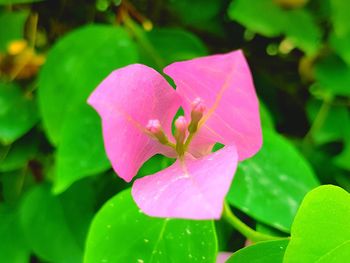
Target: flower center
{"type": "Point", "coordinates": [182, 128]}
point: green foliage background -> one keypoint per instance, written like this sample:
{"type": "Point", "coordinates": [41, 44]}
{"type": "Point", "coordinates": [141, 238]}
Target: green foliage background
{"type": "Point", "coordinates": [61, 202]}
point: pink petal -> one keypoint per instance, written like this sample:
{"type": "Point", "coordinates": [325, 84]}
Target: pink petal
{"type": "Point", "coordinates": [194, 188]}
{"type": "Point", "coordinates": [225, 84]}
{"type": "Point", "coordinates": [223, 257]}
{"type": "Point", "coordinates": [126, 100]}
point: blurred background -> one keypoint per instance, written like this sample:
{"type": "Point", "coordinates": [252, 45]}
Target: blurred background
{"type": "Point", "coordinates": [54, 174]}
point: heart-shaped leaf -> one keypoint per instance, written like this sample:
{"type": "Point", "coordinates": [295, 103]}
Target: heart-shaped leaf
{"type": "Point", "coordinates": [321, 229]}
{"type": "Point", "coordinates": [74, 67]}
{"type": "Point", "coordinates": [120, 232]}
{"type": "Point", "coordinates": [81, 152]}
{"type": "Point", "coordinates": [271, 185]}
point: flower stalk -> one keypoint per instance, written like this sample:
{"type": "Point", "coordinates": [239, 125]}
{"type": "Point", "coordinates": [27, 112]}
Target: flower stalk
{"type": "Point", "coordinates": [245, 230]}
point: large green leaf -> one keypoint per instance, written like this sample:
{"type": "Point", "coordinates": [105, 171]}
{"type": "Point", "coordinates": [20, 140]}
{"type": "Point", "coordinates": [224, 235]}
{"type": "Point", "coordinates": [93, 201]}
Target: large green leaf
{"type": "Point", "coordinates": [13, 248]}
{"type": "Point", "coordinates": [18, 112]}
{"type": "Point", "coordinates": [321, 229]}
{"type": "Point", "coordinates": [155, 164]}
{"type": "Point", "coordinates": [81, 152]}
{"type": "Point", "coordinates": [14, 28]}
{"type": "Point", "coordinates": [75, 65]}
{"type": "Point", "coordinates": [262, 252]}
{"type": "Point", "coordinates": [120, 232]}
{"type": "Point", "coordinates": [271, 185]}
{"type": "Point", "coordinates": [55, 226]}
{"type": "Point", "coordinates": [267, 18]}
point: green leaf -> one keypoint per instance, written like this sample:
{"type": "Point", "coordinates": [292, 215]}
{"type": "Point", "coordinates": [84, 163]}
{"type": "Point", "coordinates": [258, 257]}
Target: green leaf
{"type": "Point", "coordinates": [55, 226]}
{"type": "Point", "coordinates": [340, 37]}
{"type": "Point", "coordinates": [333, 76]}
{"type": "Point", "coordinates": [196, 11]}
{"type": "Point", "coordinates": [18, 112]}
{"type": "Point", "coordinates": [271, 185]}
{"type": "Point", "coordinates": [75, 65]}
{"type": "Point", "coordinates": [120, 232]}
{"type": "Point", "coordinates": [173, 45]}
{"type": "Point", "coordinates": [155, 164]}
{"type": "Point", "coordinates": [335, 126]}
{"type": "Point", "coordinates": [321, 229]}
{"type": "Point", "coordinates": [262, 252]}
{"type": "Point", "coordinates": [265, 229]}
{"type": "Point", "coordinates": [302, 30]}
{"type": "Point", "coordinates": [224, 233]}
{"type": "Point", "coordinates": [81, 152]}
{"type": "Point", "coordinates": [14, 28]}
{"type": "Point", "coordinates": [341, 46]}
{"type": "Point", "coordinates": [263, 17]}
{"type": "Point", "coordinates": [18, 154]}
{"type": "Point", "coordinates": [203, 15]}
{"type": "Point", "coordinates": [13, 248]}
{"type": "Point", "coordinates": [340, 10]}
{"type": "Point", "coordinates": [267, 18]}
{"type": "Point", "coordinates": [12, 185]}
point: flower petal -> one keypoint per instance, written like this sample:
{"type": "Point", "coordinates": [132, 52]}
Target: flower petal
{"type": "Point", "coordinates": [223, 257]}
{"type": "Point", "coordinates": [126, 100]}
{"type": "Point", "coordinates": [194, 188]}
{"type": "Point", "coordinates": [225, 84]}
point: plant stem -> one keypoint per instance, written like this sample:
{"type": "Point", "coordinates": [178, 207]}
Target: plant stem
{"type": "Point", "coordinates": [188, 141]}
{"type": "Point", "coordinates": [245, 230]}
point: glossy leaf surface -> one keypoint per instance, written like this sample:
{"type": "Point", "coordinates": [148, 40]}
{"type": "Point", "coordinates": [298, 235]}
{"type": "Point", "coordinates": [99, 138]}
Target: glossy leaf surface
{"type": "Point", "coordinates": [120, 232]}
{"type": "Point", "coordinates": [271, 185]}
{"type": "Point", "coordinates": [321, 230]}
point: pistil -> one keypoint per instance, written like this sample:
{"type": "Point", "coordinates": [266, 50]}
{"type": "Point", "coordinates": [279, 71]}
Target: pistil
{"type": "Point", "coordinates": [180, 134]}
{"type": "Point", "coordinates": [182, 128]}
{"type": "Point", "coordinates": [156, 131]}
{"type": "Point", "coordinates": [198, 109]}
{"type": "Point", "coordinates": [197, 112]}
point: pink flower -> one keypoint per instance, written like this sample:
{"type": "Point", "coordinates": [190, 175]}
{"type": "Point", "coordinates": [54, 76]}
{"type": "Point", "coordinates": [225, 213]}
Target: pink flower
{"type": "Point", "coordinates": [137, 107]}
